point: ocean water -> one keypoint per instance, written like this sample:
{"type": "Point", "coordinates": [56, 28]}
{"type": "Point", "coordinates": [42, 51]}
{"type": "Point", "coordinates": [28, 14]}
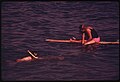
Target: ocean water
{"type": "Point", "coordinates": [26, 25]}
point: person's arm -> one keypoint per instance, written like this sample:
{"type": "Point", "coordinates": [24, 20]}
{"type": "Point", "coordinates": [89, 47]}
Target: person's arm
{"type": "Point", "coordinates": [83, 38]}
{"type": "Point", "coordinates": [89, 34]}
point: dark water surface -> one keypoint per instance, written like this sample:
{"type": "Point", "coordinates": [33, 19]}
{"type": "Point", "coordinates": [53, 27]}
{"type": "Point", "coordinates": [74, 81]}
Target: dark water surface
{"type": "Point", "coordinates": [26, 25]}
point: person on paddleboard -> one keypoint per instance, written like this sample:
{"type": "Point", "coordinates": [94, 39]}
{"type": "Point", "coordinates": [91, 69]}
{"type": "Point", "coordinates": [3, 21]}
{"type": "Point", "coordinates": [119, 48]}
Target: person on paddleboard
{"type": "Point", "coordinates": [89, 35]}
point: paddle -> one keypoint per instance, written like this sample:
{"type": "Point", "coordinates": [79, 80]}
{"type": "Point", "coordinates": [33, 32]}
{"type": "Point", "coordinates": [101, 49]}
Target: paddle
{"type": "Point", "coordinates": [32, 54]}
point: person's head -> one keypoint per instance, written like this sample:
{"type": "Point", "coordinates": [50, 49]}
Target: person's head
{"type": "Point", "coordinates": [81, 27]}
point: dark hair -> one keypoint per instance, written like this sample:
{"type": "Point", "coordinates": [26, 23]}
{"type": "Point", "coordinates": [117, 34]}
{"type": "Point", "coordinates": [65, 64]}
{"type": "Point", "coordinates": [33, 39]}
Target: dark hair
{"type": "Point", "coordinates": [80, 28]}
